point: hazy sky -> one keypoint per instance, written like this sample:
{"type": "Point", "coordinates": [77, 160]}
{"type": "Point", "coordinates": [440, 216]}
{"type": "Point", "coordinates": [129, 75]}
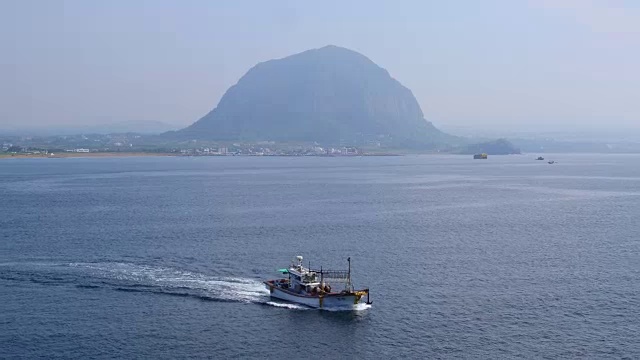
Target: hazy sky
{"type": "Point", "coordinates": [512, 63]}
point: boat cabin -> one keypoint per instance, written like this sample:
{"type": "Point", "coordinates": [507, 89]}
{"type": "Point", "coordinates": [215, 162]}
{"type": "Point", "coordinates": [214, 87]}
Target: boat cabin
{"type": "Point", "coordinates": [306, 280]}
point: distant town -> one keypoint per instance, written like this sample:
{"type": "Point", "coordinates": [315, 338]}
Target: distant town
{"type": "Point", "coordinates": [114, 144]}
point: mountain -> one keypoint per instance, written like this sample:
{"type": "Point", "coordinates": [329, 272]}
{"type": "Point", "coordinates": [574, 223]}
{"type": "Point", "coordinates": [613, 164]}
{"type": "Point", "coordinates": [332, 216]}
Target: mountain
{"type": "Point", "coordinates": [327, 95]}
{"type": "Point", "coordinates": [140, 127]}
{"type": "Point", "coordinates": [133, 126]}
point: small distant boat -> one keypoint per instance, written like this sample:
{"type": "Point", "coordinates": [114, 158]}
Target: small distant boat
{"type": "Point", "coordinates": [540, 158]}
{"type": "Point", "coordinates": [551, 162]}
{"type": "Point", "coordinates": [310, 287]}
{"type": "Point", "coordinates": [480, 156]}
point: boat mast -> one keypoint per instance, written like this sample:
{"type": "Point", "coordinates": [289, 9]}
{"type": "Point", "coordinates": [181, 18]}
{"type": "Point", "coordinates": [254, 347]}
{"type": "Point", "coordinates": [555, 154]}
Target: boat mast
{"type": "Point", "coordinates": [349, 274]}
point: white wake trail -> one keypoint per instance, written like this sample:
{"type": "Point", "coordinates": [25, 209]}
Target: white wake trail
{"type": "Point", "coordinates": [166, 280]}
{"type": "Point", "coordinates": [169, 280]}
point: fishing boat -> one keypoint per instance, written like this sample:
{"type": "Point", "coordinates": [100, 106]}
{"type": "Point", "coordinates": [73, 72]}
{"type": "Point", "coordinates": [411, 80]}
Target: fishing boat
{"type": "Point", "coordinates": [480, 156]}
{"type": "Point", "coordinates": [540, 158]}
{"type": "Point", "coordinates": [312, 288]}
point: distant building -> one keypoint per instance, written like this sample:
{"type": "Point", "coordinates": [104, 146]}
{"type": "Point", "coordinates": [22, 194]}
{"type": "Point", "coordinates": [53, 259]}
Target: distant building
{"type": "Point", "coordinates": [349, 151]}
{"type": "Point", "coordinates": [81, 150]}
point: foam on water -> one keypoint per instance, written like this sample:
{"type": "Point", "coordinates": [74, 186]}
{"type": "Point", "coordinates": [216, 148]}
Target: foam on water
{"type": "Point", "coordinates": [287, 305]}
{"type": "Point", "coordinates": [134, 277]}
{"type": "Point", "coordinates": [357, 307]}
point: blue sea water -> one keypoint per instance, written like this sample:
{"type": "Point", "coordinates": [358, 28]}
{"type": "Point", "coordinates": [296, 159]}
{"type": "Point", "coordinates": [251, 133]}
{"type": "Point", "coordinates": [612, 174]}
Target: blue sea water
{"type": "Point", "coordinates": [163, 257]}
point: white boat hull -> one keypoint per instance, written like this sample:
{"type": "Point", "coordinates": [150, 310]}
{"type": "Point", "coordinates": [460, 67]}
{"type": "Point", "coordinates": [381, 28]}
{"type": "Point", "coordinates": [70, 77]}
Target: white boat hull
{"type": "Point", "coordinates": [337, 301]}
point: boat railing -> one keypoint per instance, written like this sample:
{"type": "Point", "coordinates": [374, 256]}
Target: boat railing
{"type": "Point", "coordinates": [335, 275]}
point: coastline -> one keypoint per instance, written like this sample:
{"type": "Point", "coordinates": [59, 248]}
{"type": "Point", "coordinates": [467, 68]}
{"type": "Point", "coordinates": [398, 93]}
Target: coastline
{"type": "Point", "coordinates": [145, 154]}
{"type": "Point", "coordinates": [82, 155]}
